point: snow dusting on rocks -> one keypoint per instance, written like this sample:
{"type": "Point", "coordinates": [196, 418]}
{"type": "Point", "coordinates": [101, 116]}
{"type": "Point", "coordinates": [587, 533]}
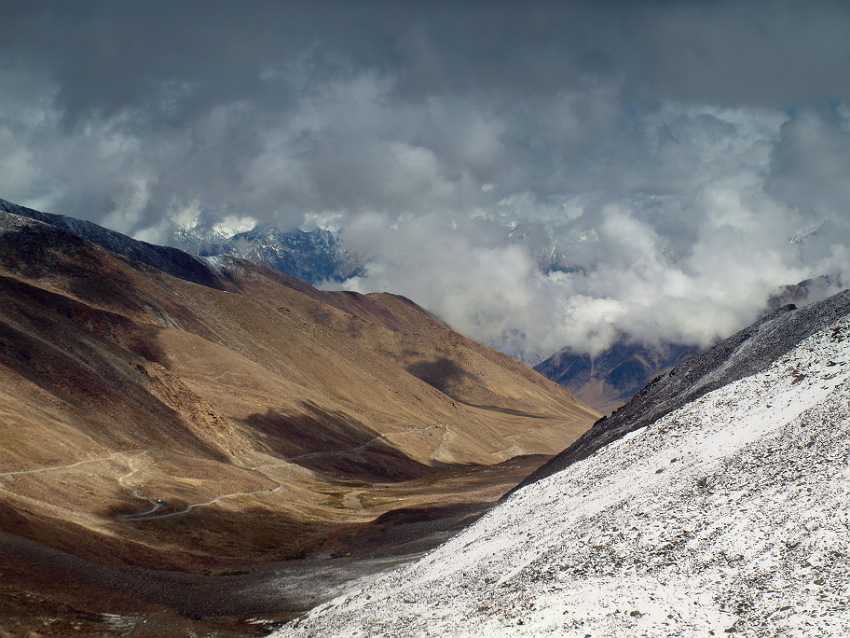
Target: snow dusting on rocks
{"type": "Point", "coordinates": [727, 516]}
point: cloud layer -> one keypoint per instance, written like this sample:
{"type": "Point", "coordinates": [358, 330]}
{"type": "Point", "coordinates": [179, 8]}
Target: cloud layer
{"type": "Point", "coordinates": [540, 175]}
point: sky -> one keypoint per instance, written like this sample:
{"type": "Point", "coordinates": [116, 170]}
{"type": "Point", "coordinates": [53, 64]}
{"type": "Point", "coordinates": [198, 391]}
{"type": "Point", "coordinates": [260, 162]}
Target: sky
{"type": "Point", "coordinates": [539, 174]}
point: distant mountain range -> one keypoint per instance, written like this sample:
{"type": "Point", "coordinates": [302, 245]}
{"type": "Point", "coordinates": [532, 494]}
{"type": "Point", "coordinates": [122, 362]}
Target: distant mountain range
{"type": "Point", "coordinates": [610, 379]}
{"type": "Point", "coordinates": [314, 256]}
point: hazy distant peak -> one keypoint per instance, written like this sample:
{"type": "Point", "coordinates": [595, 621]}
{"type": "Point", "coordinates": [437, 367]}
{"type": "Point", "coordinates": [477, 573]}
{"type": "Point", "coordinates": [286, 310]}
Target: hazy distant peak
{"type": "Point", "coordinates": [314, 256]}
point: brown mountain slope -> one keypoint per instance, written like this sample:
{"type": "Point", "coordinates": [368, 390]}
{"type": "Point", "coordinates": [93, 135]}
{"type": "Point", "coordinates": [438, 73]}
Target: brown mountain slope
{"type": "Point", "coordinates": [149, 421]}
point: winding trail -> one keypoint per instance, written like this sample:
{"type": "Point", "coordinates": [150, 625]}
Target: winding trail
{"type": "Point", "coordinates": [352, 500]}
{"type": "Point", "coordinates": [151, 515]}
{"type": "Point", "coordinates": [156, 504]}
{"type": "Point", "coordinates": [154, 512]}
{"type": "Point", "coordinates": [52, 468]}
{"type": "Point", "coordinates": [128, 457]}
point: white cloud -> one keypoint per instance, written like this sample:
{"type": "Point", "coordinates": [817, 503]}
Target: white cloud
{"type": "Point", "coordinates": [688, 262]}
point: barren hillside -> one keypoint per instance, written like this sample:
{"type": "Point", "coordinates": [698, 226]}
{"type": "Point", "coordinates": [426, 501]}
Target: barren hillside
{"type": "Point", "coordinates": [150, 421]}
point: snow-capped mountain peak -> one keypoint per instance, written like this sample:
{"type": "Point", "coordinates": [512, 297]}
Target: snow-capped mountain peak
{"type": "Point", "coordinates": [313, 256]}
{"type": "Point", "coordinates": [190, 233]}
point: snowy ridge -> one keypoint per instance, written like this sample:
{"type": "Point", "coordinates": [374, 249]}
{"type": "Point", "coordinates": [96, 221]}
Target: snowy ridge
{"type": "Point", "coordinates": [170, 260]}
{"type": "Point", "coordinates": [729, 514]}
{"type": "Point", "coordinates": [745, 353]}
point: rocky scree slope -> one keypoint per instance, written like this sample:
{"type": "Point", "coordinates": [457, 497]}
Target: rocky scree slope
{"type": "Point", "coordinates": [728, 515]}
{"type": "Point", "coordinates": [744, 353]}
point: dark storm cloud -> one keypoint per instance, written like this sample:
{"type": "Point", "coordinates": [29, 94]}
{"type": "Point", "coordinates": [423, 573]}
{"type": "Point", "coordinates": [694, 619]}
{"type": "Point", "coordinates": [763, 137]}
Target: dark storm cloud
{"type": "Point", "coordinates": [110, 55]}
{"type": "Point", "coordinates": [675, 160]}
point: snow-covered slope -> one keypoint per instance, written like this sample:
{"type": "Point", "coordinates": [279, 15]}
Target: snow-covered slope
{"type": "Point", "coordinates": [315, 256]}
{"type": "Point", "coordinates": [745, 353]}
{"type": "Point", "coordinates": [729, 514]}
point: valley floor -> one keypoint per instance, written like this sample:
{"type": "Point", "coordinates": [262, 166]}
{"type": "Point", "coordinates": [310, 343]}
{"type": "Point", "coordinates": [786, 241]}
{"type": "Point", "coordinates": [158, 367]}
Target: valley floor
{"type": "Point", "coordinates": [48, 593]}
{"type": "Point", "coordinates": [45, 592]}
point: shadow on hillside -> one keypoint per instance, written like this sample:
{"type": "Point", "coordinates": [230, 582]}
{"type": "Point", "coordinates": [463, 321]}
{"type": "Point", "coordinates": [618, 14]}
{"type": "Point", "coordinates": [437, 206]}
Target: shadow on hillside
{"type": "Point", "coordinates": [334, 444]}
{"type": "Point", "coordinates": [442, 374]}
{"type": "Point", "coordinates": [446, 375]}
{"type": "Point", "coordinates": [495, 408]}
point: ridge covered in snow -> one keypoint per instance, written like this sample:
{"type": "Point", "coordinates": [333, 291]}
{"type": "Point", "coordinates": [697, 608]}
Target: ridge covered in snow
{"type": "Point", "coordinates": [726, 515]}
{"type": "Point", "coordinates": [745, 353]}
{"type": "Point", "coordinates": [171, 260]}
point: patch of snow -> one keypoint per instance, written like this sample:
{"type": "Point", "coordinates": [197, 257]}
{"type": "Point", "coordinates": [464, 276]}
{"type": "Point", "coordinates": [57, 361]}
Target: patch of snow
{"type": "Point", "coordinates": [233, 225]}
{"type": "Point", "coordinates": [727, 515]}
{"type": "Point", "coordinates": [215, 263]}
{"type": "Point", "coordinates": [124, 624]}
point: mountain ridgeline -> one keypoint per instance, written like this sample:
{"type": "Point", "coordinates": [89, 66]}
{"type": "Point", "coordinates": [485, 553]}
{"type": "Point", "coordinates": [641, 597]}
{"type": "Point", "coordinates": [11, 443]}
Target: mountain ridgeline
{"type": "Point", "coordinates": [170, 260]}
{"type": "Point", "coordinates": [743, 354]}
